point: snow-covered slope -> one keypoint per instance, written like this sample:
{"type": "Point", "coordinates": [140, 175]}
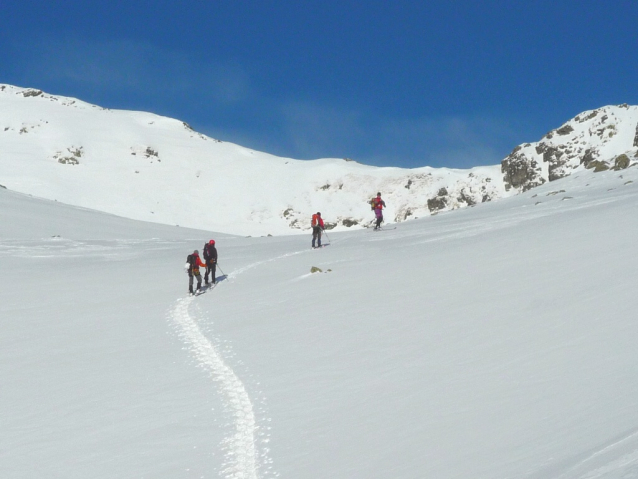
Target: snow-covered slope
{"type": "Point", "coordinates": [153, 168]}
{"type": "Point", "coordinates": [492, 342]}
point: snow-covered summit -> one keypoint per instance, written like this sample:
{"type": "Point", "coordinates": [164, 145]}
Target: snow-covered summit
{"type": "Point", "coordinates": [153, 168]}
{"type": "Point", "coordinates": [601, 139]}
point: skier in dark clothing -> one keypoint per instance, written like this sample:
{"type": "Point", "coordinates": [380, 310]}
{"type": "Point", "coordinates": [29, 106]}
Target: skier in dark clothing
{"type": "Point", "coordinates": [193, 262]}
{"type": "Point", "coordinates": [377, 206]}
{"type": "Point", "coordinates": [317, 228]}
{"type": "Point", "coordinates": [210, 257]}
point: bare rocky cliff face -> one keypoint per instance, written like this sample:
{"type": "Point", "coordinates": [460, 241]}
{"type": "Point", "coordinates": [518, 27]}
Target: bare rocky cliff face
{"type": "Point", "coordinates": [596, 140]}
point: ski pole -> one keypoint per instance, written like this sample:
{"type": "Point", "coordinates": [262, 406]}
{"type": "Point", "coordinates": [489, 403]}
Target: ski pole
{"type": "Point", "coordinates": [324, 232]}
{"type": "Point", "coordinates": [220, 269]}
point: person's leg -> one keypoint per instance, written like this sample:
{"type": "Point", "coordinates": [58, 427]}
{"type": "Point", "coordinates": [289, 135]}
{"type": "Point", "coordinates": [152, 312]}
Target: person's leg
{"type": "Point", "coordinates": [209, 267]}
{"type": "Point", "coordinates": [314, 236]}
{"type": "Point", "coordinates": [190, 283]}
{"type": "Point", "coordinates": [213, 269]}
{"type": "Point", "coordinates": [319, 237]}
{"type": "Point", "coordinates": [199, 281]}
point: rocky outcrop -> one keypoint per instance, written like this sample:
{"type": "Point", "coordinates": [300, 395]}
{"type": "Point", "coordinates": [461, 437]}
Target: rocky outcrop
{"type": "Point", "coordinates": [439, 202]}
{"type": "Point", "coordinates": [71, 157]}
{"type": "Point", "coordinates": [31, 92]}
{"type": "Point", "coordinates": [595, 140]}
{"type": "Point", "coordinates": [521, 171]}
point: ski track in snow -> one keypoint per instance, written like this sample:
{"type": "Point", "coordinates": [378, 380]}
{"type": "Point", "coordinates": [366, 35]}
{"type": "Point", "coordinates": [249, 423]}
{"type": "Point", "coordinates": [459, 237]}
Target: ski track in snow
{"type": "Point", "coordinates": [239, 271]}
{"type": "Point", "coordinates": [241, 453]}
{"type": "Point", "coordinates": [617, 459]}
{"type": "Point", "coordinates": [241, 462]}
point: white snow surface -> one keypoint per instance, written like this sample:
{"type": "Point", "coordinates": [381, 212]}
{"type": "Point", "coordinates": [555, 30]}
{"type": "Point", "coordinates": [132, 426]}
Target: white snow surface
{"type": "Point", "coordinates": [490, 342]}
{"type": "Point", "coordinates": [148, 167]}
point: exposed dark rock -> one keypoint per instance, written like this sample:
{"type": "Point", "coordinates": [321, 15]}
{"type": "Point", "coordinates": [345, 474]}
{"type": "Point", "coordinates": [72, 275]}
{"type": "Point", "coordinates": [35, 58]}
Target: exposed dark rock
{"type": "Point", "coordinates": [590, 155]}
{"type": "Point", "coordinates": [329, 226]}
{"type": "Point", "coordinates": [31, 92]}
{"type": "Point", "coordinates": [442, 192]}
{"type": "Point", "coordinates": [466, 198]}
{"type": "Point", "coordinates": [287, 212]}
{"type": "Point", "coordinates": [348, 222]}
{"type": "Point", "coordinates": [314, 269]}
{"type": "Point", "coordinates": [408, 184]}
{"type": "Point", "coordinates": [407, 214]}
{"type": "Point", "coordinates": [621, 162]}
{"type": "Point", "coordinates": [77, 152]}
{"type": "Point", "coordinates": [565, 130]}
{"type": "Point", "coordinates": [325, 187]}
{"type": "Point", "coordinates": [597, 166]}
{"type": "Point", "coordinates": [636, 137]}
{"type": "Point", "coordinates": [69, 160]}
{"type": "Point", "coordinates": [553, 155]}
{"type": "Point", "coordinates": [590, 116]}
{"type": "Point", "coordinates": [437, 203]}
{"type": "Point", "coordinates": [519, 171]}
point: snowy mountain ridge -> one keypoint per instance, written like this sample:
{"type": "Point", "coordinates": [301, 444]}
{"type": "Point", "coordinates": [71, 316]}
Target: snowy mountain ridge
{"type": "Point", "coordinates": [153, 168]}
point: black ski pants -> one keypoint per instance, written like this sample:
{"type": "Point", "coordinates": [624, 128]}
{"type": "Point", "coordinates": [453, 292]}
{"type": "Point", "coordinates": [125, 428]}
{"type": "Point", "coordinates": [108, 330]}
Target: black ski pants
{"type": "Point", "coordinates": [316, 235]}
{"type": "Point", "coordinates": [211, 267]}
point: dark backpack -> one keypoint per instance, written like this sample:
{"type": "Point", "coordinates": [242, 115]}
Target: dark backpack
{"type": "Point", "coordinates": [190, 259]}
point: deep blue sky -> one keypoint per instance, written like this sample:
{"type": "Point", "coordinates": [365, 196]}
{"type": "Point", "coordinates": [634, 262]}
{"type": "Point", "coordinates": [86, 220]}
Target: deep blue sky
{"type": "Point", "coordinates": [405, 83]}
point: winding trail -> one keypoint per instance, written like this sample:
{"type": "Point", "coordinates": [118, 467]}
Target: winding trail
{"type": "Point", "coordinates": [240, 451]}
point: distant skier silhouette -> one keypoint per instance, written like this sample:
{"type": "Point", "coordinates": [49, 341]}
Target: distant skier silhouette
{"type": "Point", "coordinates": [377, 206]}
{"type": "Point", "coordinates": [317, 228]}
{"type": "Point", "coordinates": [193, 262]}
{"type": "Point", "coordinates": [210, 257]}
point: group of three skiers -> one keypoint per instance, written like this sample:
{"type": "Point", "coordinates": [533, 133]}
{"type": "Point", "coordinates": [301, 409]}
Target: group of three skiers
{"type": "Point", "coordinates": [210, 252]}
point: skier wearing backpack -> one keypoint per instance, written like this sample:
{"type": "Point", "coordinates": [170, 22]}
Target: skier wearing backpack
{"type": "Point", "coordinates": [193, 262]}
{"type": "Point", "coordinates": [210, 257]}
{"type": "Point", "coordinates": [317, 228]}
{"type": "Point", "coordinates": [377, 206]}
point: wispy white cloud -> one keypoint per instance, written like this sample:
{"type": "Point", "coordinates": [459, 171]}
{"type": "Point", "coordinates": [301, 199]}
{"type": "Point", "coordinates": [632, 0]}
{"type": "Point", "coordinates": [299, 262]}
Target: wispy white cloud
{"type": "Point", "coordinates": [137, 67]}
{"type": "Point", "coordinates": [314, 131]}
{"type": "Point", "coordinates": [222, 100]}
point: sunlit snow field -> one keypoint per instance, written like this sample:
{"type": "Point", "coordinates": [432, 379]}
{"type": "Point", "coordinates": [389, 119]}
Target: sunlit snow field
{"type": "Point", "coordinates": [498, 341]}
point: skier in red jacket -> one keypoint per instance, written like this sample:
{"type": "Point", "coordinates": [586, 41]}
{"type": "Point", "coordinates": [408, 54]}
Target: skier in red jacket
{"type": "Point", "coordinates": [377, 206]}
{"type": "Point", "coordinates": [317, 228]}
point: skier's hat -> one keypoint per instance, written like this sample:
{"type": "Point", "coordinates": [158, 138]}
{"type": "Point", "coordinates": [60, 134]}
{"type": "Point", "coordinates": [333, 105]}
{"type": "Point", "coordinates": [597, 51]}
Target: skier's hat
{"type": "Point", "coordinates": [211, 242]}
{"type": "Point", "coordinates": [318, 214]}
{"type": "Point", "coordinates": [195, 252]}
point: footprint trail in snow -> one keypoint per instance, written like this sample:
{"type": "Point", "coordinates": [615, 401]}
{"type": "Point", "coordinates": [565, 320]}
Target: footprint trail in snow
{"type": "Point", "coordinates": [241, 462]}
